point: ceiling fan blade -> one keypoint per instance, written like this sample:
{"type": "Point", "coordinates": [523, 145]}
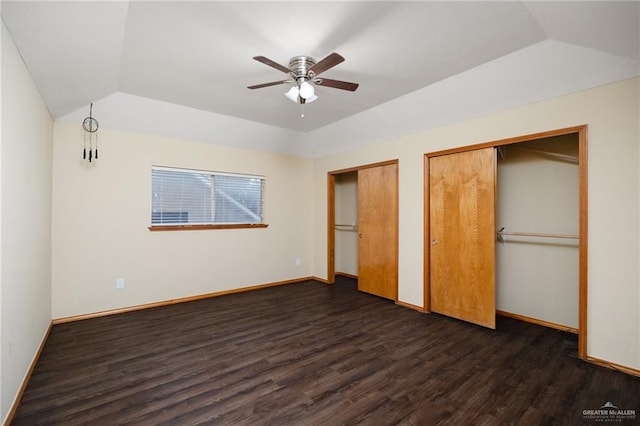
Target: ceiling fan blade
{"type": "Point", "coordinates": [336, 84]}
{"type": "Point", "coordinates": [329, 62]}
{"type": "Point", "coordinates": [271, 63]}
{"type": "Point", "coordinates": [272, 83]}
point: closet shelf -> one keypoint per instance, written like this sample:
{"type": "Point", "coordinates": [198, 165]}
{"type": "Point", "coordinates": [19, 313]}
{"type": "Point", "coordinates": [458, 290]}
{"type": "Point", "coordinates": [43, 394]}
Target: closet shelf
{"type": "Point", "coordinates": [549, 154]}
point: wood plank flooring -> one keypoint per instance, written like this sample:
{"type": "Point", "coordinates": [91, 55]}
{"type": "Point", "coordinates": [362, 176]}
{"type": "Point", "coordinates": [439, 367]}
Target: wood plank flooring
{"type": "Point", "coordinates": [312, 354]}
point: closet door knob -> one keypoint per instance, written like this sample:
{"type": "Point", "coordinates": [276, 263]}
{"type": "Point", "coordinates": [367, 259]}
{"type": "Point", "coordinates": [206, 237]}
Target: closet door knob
{"type": "Point", "coordinates": [434, 242]}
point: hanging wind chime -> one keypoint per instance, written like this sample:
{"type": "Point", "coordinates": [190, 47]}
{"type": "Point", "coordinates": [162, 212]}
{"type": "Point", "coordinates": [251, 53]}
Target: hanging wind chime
{"type": "Point", "coordinates": [90, 126]}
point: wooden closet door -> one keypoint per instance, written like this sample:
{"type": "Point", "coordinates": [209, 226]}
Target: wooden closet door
{"type": "Point", "coordinates": [378, 230]}
{"type": "Point", "coordinates": [462, 230]}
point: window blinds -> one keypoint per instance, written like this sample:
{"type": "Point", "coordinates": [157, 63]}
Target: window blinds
{"type": "Point", "coordinates": [194, 197]}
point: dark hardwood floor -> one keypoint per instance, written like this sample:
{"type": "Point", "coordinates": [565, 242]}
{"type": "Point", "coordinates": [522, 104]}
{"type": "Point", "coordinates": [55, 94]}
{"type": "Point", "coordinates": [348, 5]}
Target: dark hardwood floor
{"type": "Point", "coordinates": [312, 354]}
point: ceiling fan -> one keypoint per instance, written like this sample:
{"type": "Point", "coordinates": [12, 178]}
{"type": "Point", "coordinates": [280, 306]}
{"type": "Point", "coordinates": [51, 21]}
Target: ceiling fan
{"type": "Point", "coordinates": [304, 71]}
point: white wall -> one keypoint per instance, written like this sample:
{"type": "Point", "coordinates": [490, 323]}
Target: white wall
{"type": "Point", "coordinates": [101, 212]}
{"type": "Point", "coordinates": [346, 239]}
{"type": "Point", "coordinates": [612, 114]}
{"type": "Point", "coordinates": [25, 222]}
{"type": "Point", "coordinates": [538, 277]}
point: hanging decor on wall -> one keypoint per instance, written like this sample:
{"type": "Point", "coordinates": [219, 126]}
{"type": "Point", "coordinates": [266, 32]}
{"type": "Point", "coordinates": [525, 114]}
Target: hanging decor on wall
{"type": "Point", "coordinates": [90, 126]}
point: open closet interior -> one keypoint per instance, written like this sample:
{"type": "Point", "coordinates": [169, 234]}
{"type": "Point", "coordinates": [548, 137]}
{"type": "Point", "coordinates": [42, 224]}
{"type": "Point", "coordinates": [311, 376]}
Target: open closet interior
{"type": "Point", "coordinates": [506, 228]}
{"type": "Point", "coordinates": [537, 220]}
{"type": "Point", "coordinates": [363, 227]}
{"type": "Point", "coordinates": [346, 223]}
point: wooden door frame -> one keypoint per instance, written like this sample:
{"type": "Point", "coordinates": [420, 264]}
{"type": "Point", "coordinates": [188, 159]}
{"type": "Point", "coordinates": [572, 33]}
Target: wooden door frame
{"type": "Point", "coordinates": [331, 215]}
{"type": "Point", "coordinates": [581, 131]}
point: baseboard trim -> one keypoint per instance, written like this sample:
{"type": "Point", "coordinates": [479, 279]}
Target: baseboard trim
{"type": "Point", "coordinates": [345, 274]}
{"type": "Point", "coordinates": [613, 366]}
{"type": "Point", "coordinates": [410, 306]}
{"type": "Point", "coordinates": [175, 301]}
{"type": "Point", "coordinates": [27, 376]}
{"type": "Point", "coordinates": [538, 322]}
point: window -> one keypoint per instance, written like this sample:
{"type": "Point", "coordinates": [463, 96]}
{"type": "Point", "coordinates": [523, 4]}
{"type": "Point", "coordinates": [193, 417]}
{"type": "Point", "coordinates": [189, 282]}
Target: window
{"type": "Point", "coordinates": [195, 199]}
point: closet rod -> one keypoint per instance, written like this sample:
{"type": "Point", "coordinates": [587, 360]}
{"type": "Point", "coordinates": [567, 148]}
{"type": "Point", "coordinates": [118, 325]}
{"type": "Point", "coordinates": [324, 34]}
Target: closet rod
{"type": "Point", "coordinates": [340, 227]}
{"type": "Point", "coordinates": [538, 234]}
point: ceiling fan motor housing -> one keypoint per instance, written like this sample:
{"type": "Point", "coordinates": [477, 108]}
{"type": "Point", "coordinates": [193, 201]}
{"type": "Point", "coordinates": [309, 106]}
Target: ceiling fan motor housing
{"type": "Point", "coordinates": [299, 66]}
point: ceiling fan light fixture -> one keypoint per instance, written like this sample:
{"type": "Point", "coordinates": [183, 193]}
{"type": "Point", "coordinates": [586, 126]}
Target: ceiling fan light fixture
{"type": "Point", "coordinates": [306, 90]}
{"type": "Point", "coordinates": [293, 93]}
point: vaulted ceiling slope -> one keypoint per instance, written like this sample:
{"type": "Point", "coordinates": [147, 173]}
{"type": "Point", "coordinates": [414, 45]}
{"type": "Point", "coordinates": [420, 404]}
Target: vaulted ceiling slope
{"type": "Point", "coordinates": [192, 61]}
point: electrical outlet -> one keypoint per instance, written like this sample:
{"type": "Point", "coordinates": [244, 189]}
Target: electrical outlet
{"type": "Point", "coordinates": [120, 283]}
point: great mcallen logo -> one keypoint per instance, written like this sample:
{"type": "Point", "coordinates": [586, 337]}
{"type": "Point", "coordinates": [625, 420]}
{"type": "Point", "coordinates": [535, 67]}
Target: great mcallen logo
{"type": "Point", "coordinates": [609, 413]}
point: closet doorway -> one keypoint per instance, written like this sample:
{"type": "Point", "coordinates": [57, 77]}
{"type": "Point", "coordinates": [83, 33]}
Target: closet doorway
{"type": "Point", "coordinates": [362, 233]}
{"type": "Point", "coordinates": [482, 255]}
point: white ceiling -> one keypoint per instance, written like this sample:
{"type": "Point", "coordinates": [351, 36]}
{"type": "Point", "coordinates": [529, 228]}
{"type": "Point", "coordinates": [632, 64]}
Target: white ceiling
{"type": "Point", "coordinates": [196, 59]}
